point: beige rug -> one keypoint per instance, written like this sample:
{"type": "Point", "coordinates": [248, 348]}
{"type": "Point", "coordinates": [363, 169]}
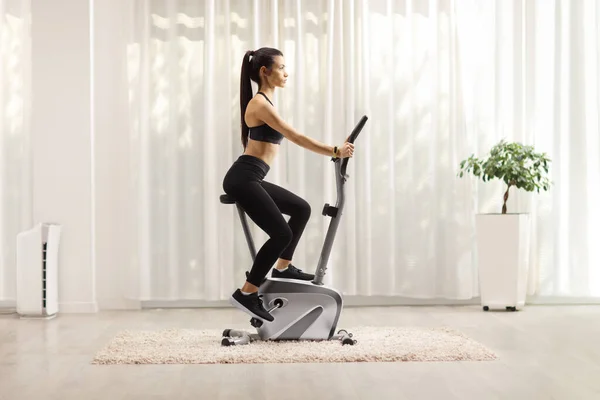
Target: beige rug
{"type": "Point", "coordinates": [374, 344]}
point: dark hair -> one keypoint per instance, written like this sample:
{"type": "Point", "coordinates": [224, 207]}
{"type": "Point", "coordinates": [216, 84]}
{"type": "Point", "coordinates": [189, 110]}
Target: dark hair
{"type": "Point", "coordinates": [263, 57]}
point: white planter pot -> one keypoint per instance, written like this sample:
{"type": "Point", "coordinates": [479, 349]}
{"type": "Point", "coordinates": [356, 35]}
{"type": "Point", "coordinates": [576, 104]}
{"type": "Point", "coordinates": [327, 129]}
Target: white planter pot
{"type": "Point", "coordinates": [503, 253]}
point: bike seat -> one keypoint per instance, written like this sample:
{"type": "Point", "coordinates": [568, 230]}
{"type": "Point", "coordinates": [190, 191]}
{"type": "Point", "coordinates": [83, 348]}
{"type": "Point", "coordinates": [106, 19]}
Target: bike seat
{"type": "Point", "coordinates": [227, 199]}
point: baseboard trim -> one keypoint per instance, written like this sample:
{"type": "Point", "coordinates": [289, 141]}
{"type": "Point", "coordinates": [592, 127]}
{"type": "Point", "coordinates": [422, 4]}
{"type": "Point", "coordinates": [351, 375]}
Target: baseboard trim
{"type": "Point", "coordinates": [550, 300]}
{"type": "Point", "coordinates": [8, 307]}
{"type": "Point", "coordinates": [381, 301]}
{"type": "Point", "coordinates": [349, 301]}
{"type": "Point", "coordinates": [76, 307]}
{"type": "Point", "coordinates": [149, 304]}
{"type": "Point", "coordinates": [119, 304]}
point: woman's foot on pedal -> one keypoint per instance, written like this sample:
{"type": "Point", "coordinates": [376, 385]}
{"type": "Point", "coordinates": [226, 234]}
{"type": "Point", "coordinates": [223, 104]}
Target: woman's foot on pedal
{"type": "Point", "coordinates": [292, 272]}
{"type": "Point", "coordinates": [250, 304]}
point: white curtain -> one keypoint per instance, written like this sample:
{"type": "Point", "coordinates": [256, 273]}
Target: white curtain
{"type": "Point", "coordinates": [15, 160]}
{"type": "Point", "coordinates": [530, 73]}
{"type": "Point", "coordinates": [438, 79]}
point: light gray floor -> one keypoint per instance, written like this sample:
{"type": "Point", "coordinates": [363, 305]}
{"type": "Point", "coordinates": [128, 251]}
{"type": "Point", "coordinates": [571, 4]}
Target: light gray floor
{"type": "Point", "coordinates": [545, 352]}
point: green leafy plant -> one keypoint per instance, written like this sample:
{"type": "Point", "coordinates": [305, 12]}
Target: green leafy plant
{"type": "Point", "coordinates": [513, 163]}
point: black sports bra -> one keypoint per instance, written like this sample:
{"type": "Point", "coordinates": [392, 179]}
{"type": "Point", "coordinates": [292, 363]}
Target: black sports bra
{"type": "Point", "coordinates": [264, 132]}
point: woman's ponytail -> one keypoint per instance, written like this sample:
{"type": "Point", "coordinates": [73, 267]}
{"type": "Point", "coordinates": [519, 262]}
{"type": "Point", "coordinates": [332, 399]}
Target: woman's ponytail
{"type": "Point", "coordinates": [263, 57]}
{"type": "Point", "coordinates": [245, 93]}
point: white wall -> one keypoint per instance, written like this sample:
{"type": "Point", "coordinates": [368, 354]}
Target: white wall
{"type": "Point", "coordinates": [76, 102]}
{"type": "Point", "coordinates": [61, 141]}
{"type": "Point", "coordinates": [114, 206]}
{"type": "Point", "coordinates": [70, 79]}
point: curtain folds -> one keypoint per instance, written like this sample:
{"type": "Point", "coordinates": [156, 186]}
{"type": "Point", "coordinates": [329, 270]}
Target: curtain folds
{"type": "Point", "coordinates": [15, 157]}
{"type": "Point", "coordinates": [439, 80]}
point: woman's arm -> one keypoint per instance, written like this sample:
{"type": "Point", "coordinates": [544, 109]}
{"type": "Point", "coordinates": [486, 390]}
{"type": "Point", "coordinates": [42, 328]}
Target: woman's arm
{"type": "Point", "coordinates": [269, 115]}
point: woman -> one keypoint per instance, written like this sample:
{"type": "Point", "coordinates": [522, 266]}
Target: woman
{"type": "Point", "coordinates": [262, 132]}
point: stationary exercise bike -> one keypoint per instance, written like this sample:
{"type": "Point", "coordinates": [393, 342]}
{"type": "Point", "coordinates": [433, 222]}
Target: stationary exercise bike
{"type": "Point", "coordinates": [303, 310]}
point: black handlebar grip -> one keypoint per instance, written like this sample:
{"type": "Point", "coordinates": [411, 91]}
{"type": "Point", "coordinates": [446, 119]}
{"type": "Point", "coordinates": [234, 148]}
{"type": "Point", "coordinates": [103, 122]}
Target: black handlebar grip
{"type": "Point", "coordinates": [357, 129]}
{"type": "Point", "coordinates": [352, 138]}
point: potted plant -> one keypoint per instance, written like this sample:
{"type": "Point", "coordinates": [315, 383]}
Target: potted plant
{"type": "Point", "coordinates": [503, 238]}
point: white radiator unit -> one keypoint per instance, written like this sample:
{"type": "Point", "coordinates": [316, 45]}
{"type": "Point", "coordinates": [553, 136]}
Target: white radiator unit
{"type": "Point", "coordinates": [37, 271]}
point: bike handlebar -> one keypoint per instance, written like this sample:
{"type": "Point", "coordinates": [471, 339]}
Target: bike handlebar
{"type": "Point", "coordinates": [357, 129]}
{"type": "Point", "coordinates": [352, 138]}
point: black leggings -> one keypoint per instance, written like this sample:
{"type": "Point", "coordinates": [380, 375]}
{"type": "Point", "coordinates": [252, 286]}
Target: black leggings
{"type": "Point", "coordinates": [264, 203]}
